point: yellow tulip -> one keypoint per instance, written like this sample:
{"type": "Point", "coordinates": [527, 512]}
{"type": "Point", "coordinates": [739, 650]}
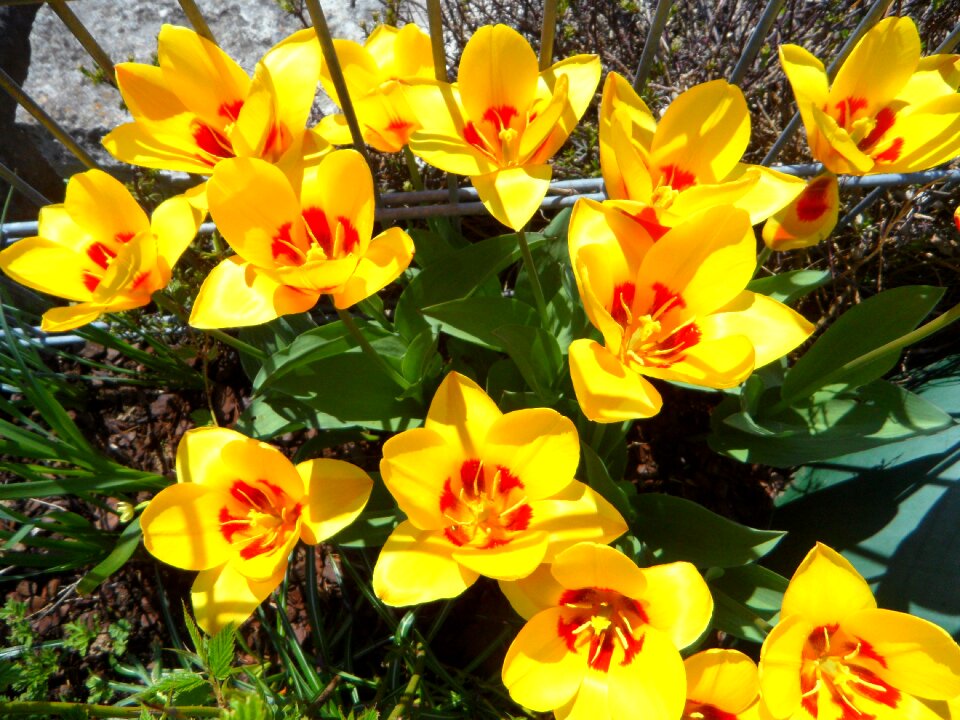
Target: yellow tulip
{"type": "Point", "coordinates": [295, 240]}
{"type": "Point", "coordinates": [675, 309]}
{"type": "Point", "coordinates": [721, 685]}
{"type": "Point", "coordinates": [199, 107]}
{"type": "Point", "coordinates": [887, 110]}
{"type": "Point", "coordinates": [603, 637]}
{"type": "Point", "coordinates": [377, 74]}
{"type": "Point", "coordinates": [99, 249]}
{"type": "Point", "coordinates": [834, 654]}
{"type": "Point", "coordinates": [485, 493]}
{"type": "Point", "coordinates": [236, 512]}
{"type": "Point", "coordinates": [502, 120]}
{"type": "Point", "coordinates": [662, 173]}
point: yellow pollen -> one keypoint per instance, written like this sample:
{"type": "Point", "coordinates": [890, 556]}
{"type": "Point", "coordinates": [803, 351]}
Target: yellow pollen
{"type": "Point", "coordinates": [861, 128]}
{"type": "Point", "coordinates": [600, 623]}
{"type": "Point", "coordinates": [508, 137]}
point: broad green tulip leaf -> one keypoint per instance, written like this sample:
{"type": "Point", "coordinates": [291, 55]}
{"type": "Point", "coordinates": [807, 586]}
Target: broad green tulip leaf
{"type": "Point", "coordinates": [852, 420]}
{"type": "Point", "coordinates": [127, 543]}
{"type": "Point", "coordinates": [274, 414]}
{"type": "Point", "coordinates": [676, 529]}
{"type": "Point", "coordinates": [864, 327]}
{"type": "Point", "coordinates": [272, 337]}
{"type": "Point", "coordinates": [475, 319]}
{"type": "Point", "coordinates": [599, 479]}
{"type": "Point", "coordinates": [746, 599]}
{"type": "Point", "coordinates": [537, 356]}
{"type": "Point", "coordinates": [421, 359]}
{"type": "Point", "coordinates": [789, 286]}
{"type": "Point", "coordinates": [457, 275]}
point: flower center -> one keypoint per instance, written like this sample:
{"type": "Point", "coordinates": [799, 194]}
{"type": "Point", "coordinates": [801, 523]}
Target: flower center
{"type": "Point", "coordinates": [598, 622]}
{"type": "Point", "coordinates": [654, 338]}
{"type": "Point", "coordinates": [497, 134]}
{"type": "Point", "coordinates": [259, 518]}
{"type": "Point", "coordinates": [485, 506]}
{"type": "Point", "coordinates": [322, 243]}
{"type": "Point", "coordinates": [837, 668]}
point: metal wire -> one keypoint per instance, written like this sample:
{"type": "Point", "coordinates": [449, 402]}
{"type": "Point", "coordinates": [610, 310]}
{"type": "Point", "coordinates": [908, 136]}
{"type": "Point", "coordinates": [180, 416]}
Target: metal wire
{"type": "Point", "coordinates": [25, 188]}
{"type": "Point", "coordinates": [83, 36]}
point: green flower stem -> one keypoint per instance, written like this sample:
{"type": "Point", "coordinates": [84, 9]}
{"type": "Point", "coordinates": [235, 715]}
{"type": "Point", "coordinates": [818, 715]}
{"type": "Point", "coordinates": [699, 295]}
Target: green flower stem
{"type": "Point", "coordinates": [409, 695]}
{"type": "Point", "coordinates": [763, 256]}
{"type": "Point", "coordinates": [547, 33]}
{"type": "Point", "coordinates": [168, 303]}
{"type": "Point", "coordinates": [369, 350]}
{"type": "Point", "coordinates": [435, 17]}
{"type": "Point", "coordinates": [412, 168]}
{"type": "Point", "coordinates": [62, 709]}
{"type": "Point", "coordinates": [83, 36]}
{"type": "Point", "coordinates": [195, 17]}
{"type": "Point", "coordinates": [534, 277]}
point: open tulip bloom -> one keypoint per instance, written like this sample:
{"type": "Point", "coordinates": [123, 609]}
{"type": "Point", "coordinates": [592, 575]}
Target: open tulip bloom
{"type": "Point", "coordinates": [485, 493]}
{"type": "Point", "coordinates": [295, 240]}
{"type": "Point", "coordinates": [674, 309]}
{"type": "Point", "coordinates": [502, 120]}
{"type": "Point", "coordinates": [99, 249]}
{"type": "Point", "coordinates": [199, 107]}
{"type": "Point", "coordinates": [236, 512]}
{"type": "Point", "coordinates": [835, 655]}
{"type": "Point", "coordinates": [662, 173]}
{"type": "Point", "coordinates": [887, 110]}
{"type": "Point", "coordinates": [721, 685]}
{"type": "Point", "coordinates": [376, 74]}
{"type": "Point", "coordinates": [603, 637]}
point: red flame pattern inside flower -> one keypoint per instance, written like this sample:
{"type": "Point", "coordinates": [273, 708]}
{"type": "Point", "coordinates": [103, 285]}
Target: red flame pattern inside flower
{"type": "Point", "coordinates": [814, 201]}
{"type": "Point", "coordinates": [260, 517]}
{"type": "Point", "coordinates": [598, 620]}
{"type": "Point", "coordinates": [486, 506]}
{"type": "Point", "coordinates": [703, 711]}
{"type": "Point", "coordinates": [676, 177]}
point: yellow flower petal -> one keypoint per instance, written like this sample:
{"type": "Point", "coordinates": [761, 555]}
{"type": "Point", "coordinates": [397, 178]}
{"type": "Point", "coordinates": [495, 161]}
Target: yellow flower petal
{"type": "Point", "coordinates": [336, 493]}
{"type": "Point", "coordinates": [405, 53]}
{"type": "Point", "coordinates": [416, 464]}
{"type": "Point", "coordinates": [162, 145]}
{"type": "Point", "coordinates": [809, 219]}
{"type": "Point", "coordinates": [935, 76]}
{"type": "Point", "coordinates": [359, 68]}
{"type": "Point", "coordinates": [515, 559]}
{"type": "Point", "coordinates": [61, 319]}
{"type": "Point", "coordinates": [323, 188]}
{"type": "Point", "coordinates": [254, 297]}
{"type": "Point", "coordinates": [181, 527]}
{"type": "Point", "coordinates": [704, 132]}
{"type": "Point", "coordinates": [538, 445]}
{"type": "Point", "coordinates": [103, 207]}
{"type": "Point", "coordinates": [543, 135]}
{"type": "Point", "coordinates": [781, 658]}
{"type": "Point", "coordinates": [175, 224]}
{"type": "Point", "coordinates": [294, 66]}
{"type": "Point", "coordinates": [145, 92]}
{"type": "Point", "coordinates": [919, 658]}
{"type": "Point", "coordinates": [772, 328]}
{"type": "Point", "coordinates": [388, 255]}
{"type": "Point", "coordinates": [725, 679]}
{"type": "Point", "coordinates": [606, 389]}
{"type": "Point", "coordinates": [415, 567]}
{"type": "Point", "coordinates": [462, 413]}
{"type": "Point", "coordinates": [627, 128]}
{"type": "Point", "coordinates": [539, 671]}
{"type": "Point", "coordinates": [222, 595]}
{"type": "Point", "coordinates": [536, 592]}
{"type": "Point", "coordinates": [682, 621]}
{"type": "Point", "coordinates": [199, 457]}
{"type": "Point", "coordinates": [49, 267]}
{"type": "Point", "coordinates": [513, 195]}
{"type": "Point", "coordinates": [582, 73]}
{"type": "Point", "coordinates": [930, 135]}
{"type": "Point", "coordinates": [592, 565]}
{"type": "Point", "coordinates": [808, 78]}
{"type": "Point", "coordinates": [498, 69]}
{"type": "Point", "coordinates": [826, 589]}
{"type": "Point", "coordinates": [578, 514]}
{"type": "Point", "coordinates": [835, 148]}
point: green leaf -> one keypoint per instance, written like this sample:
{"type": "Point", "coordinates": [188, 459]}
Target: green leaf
{"type": "Point", "coordinates": [421, 359]}
{"type": "Point", "coordinates": [865, 327]}
{"type": "Point", "coordinates": [173, 684]}
{"type": "Point", "coordinates": [676, 529]}
{"type": "Point", "coordinates": [374, 525]}
{"type": "Point", "coordinates": [272, 337]}
{"type": "Point", "coordinates": [867, 417]}
{"type": "Point", "coordinates": [599, 479]}
{"type": "Point", "coordinates": [537, 356]}
{"type": "Point", "coordinates": [457, 275]}
{"type": "Point", "coordinates": [746, 599]}
{"type": "Point", "coordinates": [221, 651]}
{"type": "Point", "coordinates": [475, 319]}
{"type": "Point", "coordinates": [789, 286]}
{"type": "Point", "coordinates": [126, 545]}
{"type": "Point", "coordinates": [199, 641]}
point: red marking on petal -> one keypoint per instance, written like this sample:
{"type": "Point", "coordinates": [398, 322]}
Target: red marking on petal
{"type": "Point", "coordinates": [249, 495]}
{"type": "Point", "coordinates": [257, 547]}
{"type": "Point", "coordinates": [707, 712]}
{"type": "Point", "coordinates": [520, 519]}
{"type": "Point", "coordinates": [456, 535]}
{"type": "Point", "coordinates": [472, 477]}
{"type": "Point", "coordinates": [867, 651]}
{"type": "Point", "coordinates": [676, 177]}
{"type": "Point", "coordinates": [638, 608]}
{"type": "Point", "coordinates": [139, 279]}
{"type": "Point", "coordinates": [316, 220]}
{"type": "Point", "coordinates": [892, 153]}
{"type": "Point", "coordinates": [565, 630]}
{"type": "Point", "coordinates": [124, 237]}
{"type": "Point", "coordinates": [508, 481]}
{"type": "Point", "coordinates": [448, 500]}
{"type": "Point", "coordinates": [471, 135]}
{"type": "Point", "coordinates": [350, 236]}
{"type": "Point", "coordinates": [647, 219]}
{"type": "Point", "coordinates": [500, 117]}
{"type": "Point", "coordinates": [230, 525]}
{"type": "Point", "coordinates": [401, 129]}
{"type": "Point", "coordinates": [90, 282]}
{"type": "Point", "coordinates": [231, 110]}
{"type": "Point", "coordinates": [623, 295]}
{"type": "Point", "coordinates": [875, 688]}
{"type": "Point", "coordinates": [884, 121]}
{"type": "Point", "coordinates": [210, 141]}
{"type": "Point", "coordinates": [809, 702]}
{"type": "Point", "coordinates": [813, 203]}
{"type": "Point", "coordinates": [848, 108]}
{"type": "Point", "coordinates": [633, 647]}
{"type": "Point", "coordinates": [665, 300]}
{"type": "Point", "coordinates": [494, 543]}
{"type": "Point", "coordinates": [574, 597]}
{"type": "Point", "coordinates": [100, 254]}
{"type": "Point", "coordinates": [283, 247]}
